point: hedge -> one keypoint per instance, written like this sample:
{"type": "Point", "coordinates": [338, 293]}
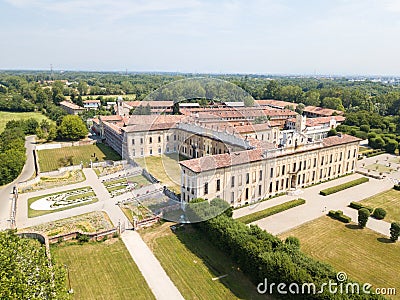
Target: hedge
{"type": "Point", "coordinates": [261, 255]}
{"type": "Point", "coordinates": [270, 211]}
{"type": "Point", "coordinates": [338, 215]}
{"type": "Point", "coordinates": [358, 205]}
{"type": "Point", "coordinates": [343, 186]}
{"type": "Point", "coordinates": [375, 153]}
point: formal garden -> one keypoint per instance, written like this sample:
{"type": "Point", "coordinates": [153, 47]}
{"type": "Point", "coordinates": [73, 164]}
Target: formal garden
{"type": "Point", "coordinates": [121, 185]}
{"type": "Point", "coordinates": [48, 182]}
{"type": "Point", "coordinates": [88, 223]}
{"type": "Point", "coordinates": [380, 165]}
{"type": "Point", "coordinates": [45, 204]}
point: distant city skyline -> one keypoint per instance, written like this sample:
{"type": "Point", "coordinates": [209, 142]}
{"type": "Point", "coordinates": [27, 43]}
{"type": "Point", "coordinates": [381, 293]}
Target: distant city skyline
{"type": "Point", "coordinates": [338, 37]}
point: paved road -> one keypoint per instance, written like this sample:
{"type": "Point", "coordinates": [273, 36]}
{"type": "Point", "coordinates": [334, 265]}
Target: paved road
{"type": "Point", "coordinates": [317, 205]}
{"type": "Point", "coordinates": [5, 192]}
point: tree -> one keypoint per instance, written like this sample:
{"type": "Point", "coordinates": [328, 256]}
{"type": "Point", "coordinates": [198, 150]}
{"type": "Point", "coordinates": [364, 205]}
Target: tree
{"type": "Point", "coordinates": [299, 109]}
{"type": "Point", "coordinates": [332, 103]}
{"type": "Point", "coordinates": [332, 132]}
{"type": "Point", "coordinates": [394, 231]}
{"type": "Point", "coordinates": [82, 88]}
{"type": "Point", "coordinates": [26, 272]}
{"type": "Point", "coordinates": [391, 146]}
{"type": "Point", "coordinates": [312, 98]}
{"type": "Point", "coordinates": [365, 128]}
{"type": "Point", "coordinates": [379, 213]}
{"type": "Point", "coordinates": [72, 128]}
{"type": "Point", "coordinates": [294, 241]}
{"type": "Point", "coordinates": [363, 215]}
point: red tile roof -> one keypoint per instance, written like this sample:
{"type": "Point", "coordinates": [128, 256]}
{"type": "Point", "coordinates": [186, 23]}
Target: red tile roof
{"type": "Point", "coordinates": [208, 163]}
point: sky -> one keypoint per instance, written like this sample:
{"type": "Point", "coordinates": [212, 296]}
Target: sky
{"type": "Point", "coordinates": [337, 37]}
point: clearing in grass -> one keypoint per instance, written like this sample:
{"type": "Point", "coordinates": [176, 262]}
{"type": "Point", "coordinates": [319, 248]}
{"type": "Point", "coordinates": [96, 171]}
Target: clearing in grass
{"type": "Point", "coordinates": [52, 159]}
{"type": "Point", "coordinates": [389, 201]}
{"type": "Point", "coordinates": [195, 265]}
{"type": "Point", "coordinates": [363, 254]}
{"type": "Point", "coordinates": [102, 270]}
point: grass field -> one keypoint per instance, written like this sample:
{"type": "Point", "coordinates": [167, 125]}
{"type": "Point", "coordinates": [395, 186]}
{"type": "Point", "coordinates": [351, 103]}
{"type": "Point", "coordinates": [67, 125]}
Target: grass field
{"type": "Point", "coordinates": [49, 160]}
{"type": "Point", "coordinates": [194, 264]}
{"type": "Point", "coordinates": [389, 201]}
{"type": "Point", "coordinates": [6, 116]}
{"type": "Point", "coordinates": [102, 271]}
{"type": "Point", "coordinates": [165, 168]}
{"type": "Point", "coordinates": [363, 254]}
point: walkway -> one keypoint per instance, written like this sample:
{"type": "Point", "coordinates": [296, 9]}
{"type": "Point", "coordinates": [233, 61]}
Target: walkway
{"type": "Point", "coordinates": [317, 205]}
{"type": "Point", "coordinates": [158, 281]}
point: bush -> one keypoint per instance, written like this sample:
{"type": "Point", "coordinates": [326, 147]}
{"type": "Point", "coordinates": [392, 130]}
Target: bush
{"type": "Point", "coordinates": [379, 213]}
{"type": "Point", "coordinates": [343, 186]}
{"type": "Point", "coordinates": [357, 205]}
{"type": "Point", "coordinates": [363, 215]}
{"type": "Point", "coordinates": [294, 241]}
{"type": "Point", "coordinates": [270, 211]}
{"type": "Point", "coordinates": [338, 215]}
{"type": "Point", "coordinates": [82, 238]}
{"type": "Point", "coordinates": [397, 187]}
{"type": "Point", "coordinates": [394, 231]}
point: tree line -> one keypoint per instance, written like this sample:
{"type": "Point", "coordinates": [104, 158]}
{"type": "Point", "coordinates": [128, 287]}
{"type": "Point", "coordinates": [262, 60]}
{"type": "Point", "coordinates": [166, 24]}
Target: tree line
{"type": "Point", "coordinates": [261, 255]}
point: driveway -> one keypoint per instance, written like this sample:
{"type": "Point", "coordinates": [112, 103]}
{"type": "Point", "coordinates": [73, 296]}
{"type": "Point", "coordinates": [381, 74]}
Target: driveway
{"type": "Point", "coordinates": [5, 191]}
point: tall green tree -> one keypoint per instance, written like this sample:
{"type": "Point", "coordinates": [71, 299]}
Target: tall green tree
{"type": "Point", "coordinates": [363, 215]}
{"type": "Point", "coordinates": [72, 128]}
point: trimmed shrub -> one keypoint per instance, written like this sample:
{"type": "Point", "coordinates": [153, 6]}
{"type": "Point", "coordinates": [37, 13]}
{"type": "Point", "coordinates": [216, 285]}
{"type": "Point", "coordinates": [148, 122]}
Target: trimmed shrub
{"type": "Point", "coordinates": [363, 215]}
{"type": "Point", "coordinates": [358, 205]}
{"type": "Point", "coordinates": [338, 215]}
{"type": "Point", "coordinates": [379, 213]}
{"type": "Point", "coordinates": [270, 211]}
{"type": "Point", "coordinates": [343, 186]}
{"type": "Point", "coordinates": [394, 231]}
{"type": "Point", "coordinates": [397, 187]}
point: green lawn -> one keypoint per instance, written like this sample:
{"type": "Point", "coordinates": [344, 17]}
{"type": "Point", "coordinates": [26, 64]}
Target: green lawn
{"type": "Point", "coordinates": [35, 213]}
{"type": "Point", "coordinates": [363, 254]}
{"type": "Point", "coordinates": [194, 264]}
{"type": "Point", "coordinates": [102, 271]}
{"type": "Point", "coordinates": [165, 168]}
{"type": "Point", "coordinates": [379, 168]}
{"type": "Point", "coordinates": [49, 160]}
{"type": "Point", "coordinates": [389, 201]}
{"type": "Point", "coordinates": [6, 116]}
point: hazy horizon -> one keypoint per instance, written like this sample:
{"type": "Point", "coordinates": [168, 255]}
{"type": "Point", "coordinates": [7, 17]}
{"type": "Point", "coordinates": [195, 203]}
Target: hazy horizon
{"type": "Point", "coordinates": [331, 38]}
